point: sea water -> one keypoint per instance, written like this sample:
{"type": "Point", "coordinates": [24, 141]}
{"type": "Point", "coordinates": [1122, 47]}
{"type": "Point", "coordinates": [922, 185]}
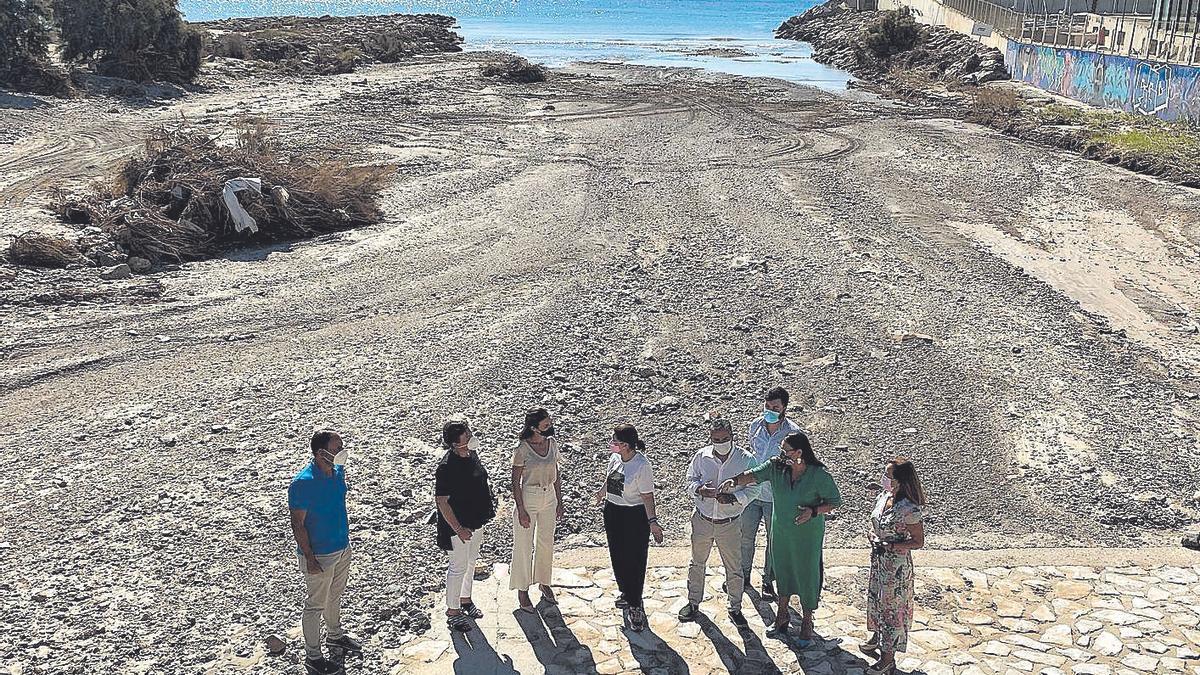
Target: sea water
{"type": "Point", "coordinates": [560, 32]}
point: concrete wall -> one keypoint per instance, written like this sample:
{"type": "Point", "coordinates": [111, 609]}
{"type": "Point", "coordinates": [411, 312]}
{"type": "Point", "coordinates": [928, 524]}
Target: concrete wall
{"type": "Point", "coordinates": [1118, 82]}
{"type": "Point", "coordinates": [935, 13]}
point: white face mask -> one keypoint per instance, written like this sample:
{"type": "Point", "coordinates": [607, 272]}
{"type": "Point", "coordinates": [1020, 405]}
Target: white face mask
{"type": "Point", "coordinates": [473, 444]}
{"type": "Point", "coordinates": [886, 481]}
{"type": "Point", "coordinates": [338, 459]}
{"type": "Point", "coordinates": [723, 448]}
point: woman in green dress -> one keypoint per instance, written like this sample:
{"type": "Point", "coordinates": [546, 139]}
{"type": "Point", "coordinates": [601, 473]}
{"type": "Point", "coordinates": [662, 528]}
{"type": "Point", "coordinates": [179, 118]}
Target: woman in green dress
{"type": "Point", "coordinates": [804, 492]}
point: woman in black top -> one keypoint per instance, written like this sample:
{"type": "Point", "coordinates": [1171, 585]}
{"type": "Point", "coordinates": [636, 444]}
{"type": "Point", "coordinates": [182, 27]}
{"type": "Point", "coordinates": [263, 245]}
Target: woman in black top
{"type": "Point", "coordinates": [465, 504]}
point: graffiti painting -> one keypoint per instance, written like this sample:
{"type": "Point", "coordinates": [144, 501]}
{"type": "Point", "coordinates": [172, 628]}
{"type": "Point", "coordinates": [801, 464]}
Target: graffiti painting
{"type": "Point", "coordinates": [1125, 83]}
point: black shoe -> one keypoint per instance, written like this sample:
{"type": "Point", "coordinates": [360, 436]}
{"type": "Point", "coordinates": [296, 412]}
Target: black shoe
{"type": "Point", "coordinates": [622, 603]}
{"type": "Point", "coordinates": [689, 612]}
{"type": "Point", "coordinates": [346, 644]}
{"type": "Point", "coordinates": [768, 591]}
{"type": "Point", "coordinates": [321, 666]}
{"type": "Point", "coordinates": [739, 619]}
{"type": "Point", "coordinates": [637, 619]}
{"type": "Point", "coordinates": [1192, 542]}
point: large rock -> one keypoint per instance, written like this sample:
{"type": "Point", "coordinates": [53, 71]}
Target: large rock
{"type": "Point", "coordinates": [836, 33]}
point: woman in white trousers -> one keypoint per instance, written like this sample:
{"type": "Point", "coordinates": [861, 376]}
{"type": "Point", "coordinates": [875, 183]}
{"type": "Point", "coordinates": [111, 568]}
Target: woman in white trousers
{"type": "Point", "coordinates": [537, 490]}
{"type": "Point", "coordinates": [465, 504]}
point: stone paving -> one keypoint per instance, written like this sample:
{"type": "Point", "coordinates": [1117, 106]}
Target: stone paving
{"type": "Point", "coordinates": [1008, 620]}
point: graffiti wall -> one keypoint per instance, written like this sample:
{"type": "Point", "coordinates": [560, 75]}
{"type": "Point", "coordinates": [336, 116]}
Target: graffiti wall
{"type": "Point", "coordinates": [1120, 82]}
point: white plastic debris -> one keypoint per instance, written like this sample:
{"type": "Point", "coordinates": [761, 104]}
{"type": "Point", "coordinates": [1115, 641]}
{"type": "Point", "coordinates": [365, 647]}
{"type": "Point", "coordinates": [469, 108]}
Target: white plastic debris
{"type": "Point", "coordinates": [241, 220]}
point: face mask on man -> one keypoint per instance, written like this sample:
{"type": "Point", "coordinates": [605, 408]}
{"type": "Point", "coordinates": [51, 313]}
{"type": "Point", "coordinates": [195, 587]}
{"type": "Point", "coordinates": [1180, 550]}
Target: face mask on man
{"type": "Point", "coordinates": [473, 444]}
{"type": "Point", "coordinates": [338, 459]}
{"type": "Point", "coordinates": [723, 447]}
{"type": "Point", "coordinates": [770, 416]}
{"type": "Point", "coordinates": [547, 433]}
{"type": "Point", "coordinates": [614, 448]}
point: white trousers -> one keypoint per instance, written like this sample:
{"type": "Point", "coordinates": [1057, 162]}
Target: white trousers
{"type": "Point", "coordinates": [533, 546]}
{"type": "Point", "coordinates": [461, 574]}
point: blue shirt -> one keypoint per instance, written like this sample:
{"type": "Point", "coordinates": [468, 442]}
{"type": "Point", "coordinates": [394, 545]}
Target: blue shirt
{"type": "Point", "coordinates": [323, 499]}
{"type": "Point", "coordinates": [764, 445]}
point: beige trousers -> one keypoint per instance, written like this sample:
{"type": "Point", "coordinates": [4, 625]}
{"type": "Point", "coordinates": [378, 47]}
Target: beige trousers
{"type": "Point", "coordinates": [728, 539]}
{"type": "Point", "coordinates": [324, 598]}
{"type": "Point", "coordinates": [533, 546]}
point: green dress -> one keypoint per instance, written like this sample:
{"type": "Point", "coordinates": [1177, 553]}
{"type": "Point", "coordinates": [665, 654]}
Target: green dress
{"type": "Point", "coordinates": [796, 550]}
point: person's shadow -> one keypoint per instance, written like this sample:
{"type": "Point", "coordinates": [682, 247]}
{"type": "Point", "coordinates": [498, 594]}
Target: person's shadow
{"type": "Point", "coordinates": [553, 642]}
{"type": "Point", "coordinates": [734, 659]}
{"type": "Point", "coordinates": [476, 656]}
{"type": "Point", "coordinates": [654, 655]}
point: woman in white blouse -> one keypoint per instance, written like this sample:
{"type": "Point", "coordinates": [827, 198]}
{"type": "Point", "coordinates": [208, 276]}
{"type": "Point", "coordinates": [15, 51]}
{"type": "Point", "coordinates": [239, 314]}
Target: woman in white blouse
{"type": "Point", "coordinates": [629, 518]}
{"type": "Point", "coordinates": [537, 490]}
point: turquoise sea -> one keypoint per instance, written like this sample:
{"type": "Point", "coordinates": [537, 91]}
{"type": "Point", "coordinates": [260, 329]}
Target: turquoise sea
{"type": "Point", "coordinates": [558, 32]}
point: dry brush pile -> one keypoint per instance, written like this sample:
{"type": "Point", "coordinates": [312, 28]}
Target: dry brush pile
{"type": "Point", "coordinates": [171, 203]}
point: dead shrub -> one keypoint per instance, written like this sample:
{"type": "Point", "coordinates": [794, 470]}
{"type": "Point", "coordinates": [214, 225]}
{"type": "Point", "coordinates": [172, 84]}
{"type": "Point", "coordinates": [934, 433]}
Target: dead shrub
{"type": "Point", "coordinates": [996, 99]}
{"type": "Point", "coordinates": [166, 204]}
{"type": "Point", "coordinates": [38, 249]}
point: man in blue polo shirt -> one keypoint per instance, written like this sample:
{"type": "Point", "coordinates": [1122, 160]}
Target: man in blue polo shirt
{"type": "Point", "coordinates": [765, 435]}
{"type": "Point", "coordinates": [317, 501]}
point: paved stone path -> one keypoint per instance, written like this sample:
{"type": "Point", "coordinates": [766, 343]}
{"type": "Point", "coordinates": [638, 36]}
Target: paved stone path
{"type": "Point", "coordinates": [1010, 619]}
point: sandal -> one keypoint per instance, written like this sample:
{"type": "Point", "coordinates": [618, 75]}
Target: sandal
{"type": "Point", "coordinates": [548, 595]}
{"type": "Point", "coordinates": [779, 631]}
{"type": "Point", "coordinates": [471, 610]}
{"type": "Point", "coordinates": [1192, 542]}
{"type": "Point", "coordinates": [459, 622]}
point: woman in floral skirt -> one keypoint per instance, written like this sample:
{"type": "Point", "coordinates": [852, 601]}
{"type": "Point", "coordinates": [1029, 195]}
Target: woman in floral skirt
{"type": "Point", "coordinates": [896, 529]}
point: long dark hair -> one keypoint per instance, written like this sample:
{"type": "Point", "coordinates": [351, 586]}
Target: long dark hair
{"type": "Point", "coordinates": [905, 474]}
{"type": "Point", "coordinates": [533, 418]}
{"type": "Point", "coordinates": [626, 433]}
{"type": "Point", "coordinates": [799, 441]}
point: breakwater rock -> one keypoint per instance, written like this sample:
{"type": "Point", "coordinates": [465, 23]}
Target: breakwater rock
{"type": "Point", "coordinates": [887, 47]}
{"type": "Point", "coordinates": [331, 44]}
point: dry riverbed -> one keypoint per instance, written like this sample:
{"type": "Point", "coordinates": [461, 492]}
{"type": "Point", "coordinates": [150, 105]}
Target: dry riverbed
{"type": "Point", "coordinates": [628, 244]}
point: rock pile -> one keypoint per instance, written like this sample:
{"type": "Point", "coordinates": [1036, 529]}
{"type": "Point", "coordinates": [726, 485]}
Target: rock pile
{"type": "Point", "coordinates": [837, 34]}
{"type": "Point", "coordinates": [332, 44]}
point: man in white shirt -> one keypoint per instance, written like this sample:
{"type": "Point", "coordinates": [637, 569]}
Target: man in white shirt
{"type": "Point", "coordinates": [765, 435]}
{"type": "Point", "coordinates": [715, 520]}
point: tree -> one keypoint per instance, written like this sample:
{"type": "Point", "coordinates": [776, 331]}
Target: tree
{"type": "Point", "coordinates": [135, 39]}
{"type": "Point", "coordinates": [24, 48]}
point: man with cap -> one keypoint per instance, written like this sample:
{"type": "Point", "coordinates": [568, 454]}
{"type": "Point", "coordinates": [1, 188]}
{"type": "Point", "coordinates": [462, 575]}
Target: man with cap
{"type": "Point", "coordinates": [317, 502]}
{"type": "Point", "coordinates": [715, 520]}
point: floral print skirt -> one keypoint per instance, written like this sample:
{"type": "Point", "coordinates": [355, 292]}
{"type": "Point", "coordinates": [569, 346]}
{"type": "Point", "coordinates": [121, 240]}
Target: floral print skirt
{"type": "Point", "coordinates": [890, 599]}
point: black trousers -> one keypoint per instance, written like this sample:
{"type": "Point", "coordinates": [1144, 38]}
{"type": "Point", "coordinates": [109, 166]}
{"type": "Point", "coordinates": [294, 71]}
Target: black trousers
{"type": "Point", "coordinates": [628, 533]}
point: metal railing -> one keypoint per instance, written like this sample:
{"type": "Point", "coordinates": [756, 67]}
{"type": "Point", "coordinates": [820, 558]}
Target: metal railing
{"type": "Point", "coordinates": [1144, 37]}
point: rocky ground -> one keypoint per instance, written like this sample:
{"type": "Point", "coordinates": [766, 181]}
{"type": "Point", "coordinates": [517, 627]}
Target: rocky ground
{"type": "Point", "coordinates": [1083, 615]}
{"type": "Point", "coordinates": [627, 245]}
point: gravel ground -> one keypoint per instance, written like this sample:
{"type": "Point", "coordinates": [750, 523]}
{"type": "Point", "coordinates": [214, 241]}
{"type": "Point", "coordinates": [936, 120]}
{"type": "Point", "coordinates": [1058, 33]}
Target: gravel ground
{"type": "Point", "coordinates": [627, 245]}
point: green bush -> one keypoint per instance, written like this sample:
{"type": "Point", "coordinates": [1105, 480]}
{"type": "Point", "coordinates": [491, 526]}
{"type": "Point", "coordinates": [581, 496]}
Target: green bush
{"type": "Point", "coordinates": [892, 32]}
{"type": "Point", "coordinates": [136, 39]}
{"type": "Point", "coordinates": [24, 48]}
